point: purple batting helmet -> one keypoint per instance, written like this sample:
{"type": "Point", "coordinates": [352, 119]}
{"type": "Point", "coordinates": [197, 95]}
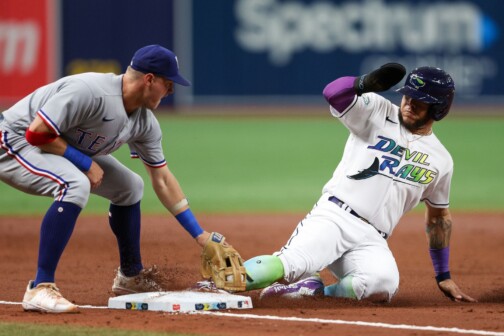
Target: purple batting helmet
{"type": "Point", "coordinates": [432, 86]}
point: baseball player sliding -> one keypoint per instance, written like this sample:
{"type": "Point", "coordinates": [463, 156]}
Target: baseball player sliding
{"type": "Point", "coordinates": [56, 142]}
{"type": "Point", "coordinates": [391, 162]}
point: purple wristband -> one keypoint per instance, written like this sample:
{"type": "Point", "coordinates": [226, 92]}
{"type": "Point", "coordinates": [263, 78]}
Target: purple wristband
{"type": "Point", "coordinates": [443, 276]}
{"type": "Point", "coordinates": [440, 258]}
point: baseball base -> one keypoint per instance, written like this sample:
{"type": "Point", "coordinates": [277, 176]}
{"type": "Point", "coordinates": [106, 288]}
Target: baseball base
{"type": "Point", "coordinates": [182, 301]}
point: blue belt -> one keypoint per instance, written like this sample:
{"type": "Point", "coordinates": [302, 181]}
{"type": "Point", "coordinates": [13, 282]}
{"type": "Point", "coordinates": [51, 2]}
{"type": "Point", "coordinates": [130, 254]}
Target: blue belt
{"type": "Point", "coordinates": [345, 207]}
{"type": "Point", "coordinates": [1, 117]}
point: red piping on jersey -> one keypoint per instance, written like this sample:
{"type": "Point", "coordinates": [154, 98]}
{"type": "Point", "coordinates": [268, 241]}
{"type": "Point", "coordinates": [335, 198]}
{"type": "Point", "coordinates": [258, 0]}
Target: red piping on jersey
{"type": "Point", "coordinates": [33, 169]}
{"type": "Point", "coordinates": [48, 122]}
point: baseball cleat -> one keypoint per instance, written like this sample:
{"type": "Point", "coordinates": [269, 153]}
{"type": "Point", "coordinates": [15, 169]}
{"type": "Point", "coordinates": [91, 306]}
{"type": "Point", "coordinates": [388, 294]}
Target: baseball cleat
{"type": "Point", "coordinates": [141, 283]}
{"type": "Point", "coordinates": [46, 298]}
{"type": "Point", "coordinates": [312, 286]}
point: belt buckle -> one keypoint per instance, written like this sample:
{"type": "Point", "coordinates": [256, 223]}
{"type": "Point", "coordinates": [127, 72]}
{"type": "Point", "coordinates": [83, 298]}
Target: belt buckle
{"type": "Point", "coordinates": [347, 208]}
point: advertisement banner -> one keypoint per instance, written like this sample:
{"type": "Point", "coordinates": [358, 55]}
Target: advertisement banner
{"type": "Point", "coordinates": [270, 49]}
{"type": "Point", "coordinates": [28, 47]}
{"type": "Point", "coordinates": [102, 36]}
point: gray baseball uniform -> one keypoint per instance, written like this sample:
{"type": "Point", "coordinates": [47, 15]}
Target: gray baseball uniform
{"type": "Point", "coordinates": [47, 141]}
{"type": "Point", "coordinates": [87, 111]}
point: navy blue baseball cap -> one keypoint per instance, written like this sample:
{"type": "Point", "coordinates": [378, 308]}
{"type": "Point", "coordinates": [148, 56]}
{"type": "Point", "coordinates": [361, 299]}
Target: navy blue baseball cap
{"type": "Point", "coordinates": [160, 61]}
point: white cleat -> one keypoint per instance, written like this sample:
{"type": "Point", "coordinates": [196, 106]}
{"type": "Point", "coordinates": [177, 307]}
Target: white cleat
{"type": "Point", "coordinates": [46, 298]}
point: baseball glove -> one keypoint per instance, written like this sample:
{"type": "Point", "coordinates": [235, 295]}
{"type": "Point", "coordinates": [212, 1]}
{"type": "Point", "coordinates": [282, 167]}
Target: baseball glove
{"type": "Point", "coordinates": [223, 264]}
{"type": "Point", "coordinates": [380, 79]}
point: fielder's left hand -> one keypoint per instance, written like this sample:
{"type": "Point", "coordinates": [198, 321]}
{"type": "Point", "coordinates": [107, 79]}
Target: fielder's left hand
{"type": "Point", "coordinates": [452, 291]}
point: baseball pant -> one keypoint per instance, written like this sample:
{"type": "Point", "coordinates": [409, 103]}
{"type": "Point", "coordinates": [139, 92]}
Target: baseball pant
{"type": "Point", "coordinates": [329, 237]}
{"type": "Point", "coordinates": [30, 170]}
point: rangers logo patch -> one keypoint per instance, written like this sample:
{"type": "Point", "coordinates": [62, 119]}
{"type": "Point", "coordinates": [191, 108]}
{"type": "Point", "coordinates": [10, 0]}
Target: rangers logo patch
{"type": "Point", "coordinates": [217, 237]}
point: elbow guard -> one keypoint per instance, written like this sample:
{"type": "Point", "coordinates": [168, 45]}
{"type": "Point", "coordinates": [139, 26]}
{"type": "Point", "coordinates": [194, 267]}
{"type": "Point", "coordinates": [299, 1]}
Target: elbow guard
{"type": "Point", "coordinates": [39, 138]}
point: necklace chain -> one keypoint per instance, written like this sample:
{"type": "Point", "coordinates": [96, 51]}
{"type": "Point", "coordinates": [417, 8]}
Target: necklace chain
{"type": "Point", "coordinates": [412, 137]}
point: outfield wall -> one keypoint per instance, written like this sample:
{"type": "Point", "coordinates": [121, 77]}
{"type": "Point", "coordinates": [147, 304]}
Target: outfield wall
{"type": "Point", "coordinates": [255, 51]}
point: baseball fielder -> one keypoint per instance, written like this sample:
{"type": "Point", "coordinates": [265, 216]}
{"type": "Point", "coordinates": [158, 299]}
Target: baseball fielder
{"type": "Point", "coordinates": [391, 162]}
{"type": "Point", "coordinates": [56, 142]}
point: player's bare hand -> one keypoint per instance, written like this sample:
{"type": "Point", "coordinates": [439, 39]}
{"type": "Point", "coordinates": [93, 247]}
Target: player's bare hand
{"type": "Point", "coordinates": [95, 175]}
{"type": "Point", "coordinates": [452, 291]}
{"type": "Point", "coordinates": [202, 238]}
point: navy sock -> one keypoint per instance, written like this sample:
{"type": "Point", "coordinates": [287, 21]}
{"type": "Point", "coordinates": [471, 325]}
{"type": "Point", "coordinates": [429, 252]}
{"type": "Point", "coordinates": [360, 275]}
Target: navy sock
{"type": "Point", "coordinates": [55, 231]}
{"type": "Point", "coordinates": [125, 223]}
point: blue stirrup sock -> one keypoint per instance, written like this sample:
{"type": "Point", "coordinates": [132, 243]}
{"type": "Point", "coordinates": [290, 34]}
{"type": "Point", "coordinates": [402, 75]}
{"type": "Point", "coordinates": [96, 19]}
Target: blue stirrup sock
{"type": "Point", "coordinates": [55, 231]}
{"type": "Point", "coordinates": [262, 271]}
{"type": "Point", "coordinates": [125, 223]}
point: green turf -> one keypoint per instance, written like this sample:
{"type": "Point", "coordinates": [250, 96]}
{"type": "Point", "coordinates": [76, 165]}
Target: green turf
{"type": "Point", "coordinates": [280, 164]}
{"type": "Point", "coordinates": [17, 329]}
{"type": "Point", "coordinates": [475, 147]}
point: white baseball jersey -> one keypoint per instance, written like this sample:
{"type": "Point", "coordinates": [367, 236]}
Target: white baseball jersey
{"type": "Point", "coordinates": [386, 170]}
{"type": "Point", "coordinates": [87, 111]}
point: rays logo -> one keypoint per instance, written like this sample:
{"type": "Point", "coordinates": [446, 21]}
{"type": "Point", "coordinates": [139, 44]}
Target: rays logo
{"type": "Point", "coordinates": [416, 81]}
{"type": "Point", "coordinates": [413, 171]}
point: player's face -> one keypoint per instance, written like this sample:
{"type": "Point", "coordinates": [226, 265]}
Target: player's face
{"type": "Point", "coordinates": [159, 88]}
{"type": "Point", "coordinates": [414, 114]}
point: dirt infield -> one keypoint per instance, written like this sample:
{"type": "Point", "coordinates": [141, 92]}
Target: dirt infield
{"type": "Point", "coordinates": [87, 268]}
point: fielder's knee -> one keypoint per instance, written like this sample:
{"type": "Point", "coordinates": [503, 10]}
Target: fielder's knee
{"type": "Point", "coordinates": [77, 191]}
{"type": "Point", "coordinates": [133, 194]}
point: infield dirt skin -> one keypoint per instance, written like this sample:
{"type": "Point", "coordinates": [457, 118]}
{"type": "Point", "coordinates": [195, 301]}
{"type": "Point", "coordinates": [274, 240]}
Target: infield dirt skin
{"type": "Point", "coordinates": [88, 267]}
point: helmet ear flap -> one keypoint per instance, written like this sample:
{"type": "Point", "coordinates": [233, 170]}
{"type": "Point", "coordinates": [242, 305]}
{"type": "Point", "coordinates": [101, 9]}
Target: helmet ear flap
{"type": "Point", "coordinates": [439, 111]}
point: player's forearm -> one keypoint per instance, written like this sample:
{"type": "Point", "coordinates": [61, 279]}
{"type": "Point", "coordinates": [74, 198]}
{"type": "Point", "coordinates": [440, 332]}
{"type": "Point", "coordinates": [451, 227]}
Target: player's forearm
{"type": "Point", "coordinates": [169, 192]}
{"type": "Point", "coordinates": [58, 146]}
{"type": "Point", "coordinates": [438, 230]}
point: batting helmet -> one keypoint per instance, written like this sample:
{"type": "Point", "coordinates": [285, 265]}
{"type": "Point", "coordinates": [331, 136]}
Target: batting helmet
{"type": "Point", "coordinates": [432, 86]}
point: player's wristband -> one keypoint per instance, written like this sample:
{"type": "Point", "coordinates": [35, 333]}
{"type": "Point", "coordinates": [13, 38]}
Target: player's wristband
{"type": "Point", "coordinates": [443, 276]}
{"type": "Point", "coordinates": [80, 160]}
{"type": "Point", "coordinates": [184, 202]}
{"type": "Point", "coordinates": [440, 258]}
{"type": "Point", "coordinates": [189, 222]}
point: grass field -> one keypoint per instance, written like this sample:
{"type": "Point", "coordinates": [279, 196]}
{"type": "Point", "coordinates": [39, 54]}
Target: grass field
{"type": "Point", "coordinates": [279, 164]}
{"type": "Point", "coordinates": [275, 165]}
{"type": "Point", "coordinates": [17, 329]}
